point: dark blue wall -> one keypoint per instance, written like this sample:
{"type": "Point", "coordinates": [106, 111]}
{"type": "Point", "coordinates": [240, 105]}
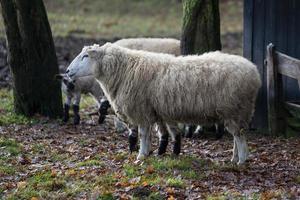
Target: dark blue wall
{"type": "Point", "coordinates": [276, 21]}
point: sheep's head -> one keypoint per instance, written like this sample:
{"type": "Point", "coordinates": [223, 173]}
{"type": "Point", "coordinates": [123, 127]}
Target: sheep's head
{"type": "Point", "coordinates": [104, 59]}
{"type": "Point", "coordinates": [68, 83]}
{"type": "Point", "coordinates": [82, 65]}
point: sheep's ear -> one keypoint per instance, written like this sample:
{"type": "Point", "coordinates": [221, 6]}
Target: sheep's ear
{"type": "Point", "coordinates": [93, 53]}
{"type": "Point", "coordinates": [58, 77]}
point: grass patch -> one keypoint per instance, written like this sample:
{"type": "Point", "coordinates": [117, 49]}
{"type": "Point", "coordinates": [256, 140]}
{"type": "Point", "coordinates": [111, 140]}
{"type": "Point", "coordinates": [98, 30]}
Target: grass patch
{"type": "Point", "coordinates": [191, 174]}
{"type": "Point", "coordinates": [40, 185]}
{"type": "Point", "coordinates": [131, 171]}
{"type": "Point", "coordinates": [59, 157]}
{"type": "Point", "coordinates": [106, 182]}
{"type": "Point", "coordinates": [38, 148]}
{"type": "Point", "coordinates": [5, 169]}
{"type": "Point", "coordinates": [175, 182]}
{"type": "Point", "coordinates": [171, 163]}
{"type": "Point", "coordinates": [297, 179]}
{"type": "Point", "coordinates": [10, 147]}
{"type": "Point", "coordinates": [89, 163]}
{"type": "Point", "coordinates": [160, 171]}
{"type": "Point", "coordinates": [114, 18]}
{"type": "Point", "coordinates": [7, 114]}
{"type": "Point", "coordinates": [106, 196]}
{"type": "Point", "coordinates": [155, 196]}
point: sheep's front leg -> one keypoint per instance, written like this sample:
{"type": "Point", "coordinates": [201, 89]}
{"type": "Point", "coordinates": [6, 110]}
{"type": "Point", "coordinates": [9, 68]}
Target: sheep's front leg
{"type": "Point", "coordinates": [242, 147]}
{"type": "Point", "coordinates": [235, 156]}
{"type": "Point", "coordinates": [67, 108]}
{"type": "Point", "coordinates": [163, 138]}
{"type": "Point", "coordinates": [76, 108]}
{"type": "Point", "coordinates": [132, 139]}
{"type": "Point", "coordinates": [145, 142]}
{"type": "Point", "coordinates": [175, 132]}
{"type": "Point", "coordinates": [104, 106]}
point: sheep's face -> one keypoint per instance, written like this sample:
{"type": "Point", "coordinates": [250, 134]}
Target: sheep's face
{"type": "Point", "coordinates": [81, 66]}
{"type": "Point", "coordinates": [104, 59]}
{"type": "Point", "coordinates": [68, 84]}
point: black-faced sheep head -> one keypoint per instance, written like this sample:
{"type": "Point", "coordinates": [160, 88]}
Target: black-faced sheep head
{"type": "Point", "coordinates": [68, 83]}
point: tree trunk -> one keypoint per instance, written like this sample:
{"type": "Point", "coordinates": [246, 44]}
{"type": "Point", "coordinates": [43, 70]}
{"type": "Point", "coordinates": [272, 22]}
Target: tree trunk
{"type": "Point", "coordinates": [32, 58]}
{"type": "Point", "coordinates": [201, 27]}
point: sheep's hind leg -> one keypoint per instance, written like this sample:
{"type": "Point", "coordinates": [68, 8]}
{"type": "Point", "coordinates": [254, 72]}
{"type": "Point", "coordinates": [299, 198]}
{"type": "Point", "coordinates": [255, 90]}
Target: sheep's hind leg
{"type": "Point", "coordinates": [243, 151]}
{"type": "Point", "coordinates": [235, 156]}
{"type": "Point", "coordinates": [76, 109]}
{"type": "Point", "coordinates": [67, 109]}
{"type": "Point", "coordinates": [190, 129]}
{"type": "Point", "coordinates": [163, 138]}
{"type": "Point", "coordinates": [132, 139]}
{"type": "Point", "coordinates": [104, 106]}
{"type": "Point", "coordinates": [176, 135]}
{"type": "Point", "coordinates": [145, 142]}
{"type": "Point", "coordinates": [240, 148]}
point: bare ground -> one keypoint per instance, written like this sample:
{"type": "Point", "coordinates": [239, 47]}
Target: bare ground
{"type": "Point", "coordinates": [92, 161]}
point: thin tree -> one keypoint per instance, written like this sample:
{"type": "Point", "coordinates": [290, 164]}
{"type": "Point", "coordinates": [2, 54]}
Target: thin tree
{"type": "Point", "coordinates": [31, 57]}
{"type": "Point", "coordinates": [200, 34]}
{"type": "Point", "coordinates": [201, 27]}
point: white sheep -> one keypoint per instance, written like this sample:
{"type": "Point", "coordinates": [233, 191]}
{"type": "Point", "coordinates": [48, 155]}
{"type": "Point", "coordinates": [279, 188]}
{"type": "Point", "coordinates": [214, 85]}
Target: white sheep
{"type": "Point", "coordinates": [146, 88]}
{"type": "Point", "coordinates": [78, 77]}
{"type": "Point", "coordinates": [158, 45]}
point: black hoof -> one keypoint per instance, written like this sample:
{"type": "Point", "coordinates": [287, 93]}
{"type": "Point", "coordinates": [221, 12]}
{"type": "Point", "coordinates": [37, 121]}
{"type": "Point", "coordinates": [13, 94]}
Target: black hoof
{"type": "Point", "coordinates": [101, 119]}
{"type": "Point", "coordinates": [162, 147]}
{"type": "Point", "coordinates": [76, 120]}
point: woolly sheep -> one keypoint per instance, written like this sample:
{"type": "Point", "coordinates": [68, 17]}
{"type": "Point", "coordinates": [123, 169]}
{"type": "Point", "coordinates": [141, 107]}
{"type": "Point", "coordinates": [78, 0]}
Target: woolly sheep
{"type": "Point", "coordinates": [78, 76]}
{"type": "Point", "coordinates": [146, 88]}
{"type": "Point", "coordinates": [169, 46]}
{"type": "Point", "coordinates": [73, 88]}
{"type": "Point", "coordinates": [158, 45]}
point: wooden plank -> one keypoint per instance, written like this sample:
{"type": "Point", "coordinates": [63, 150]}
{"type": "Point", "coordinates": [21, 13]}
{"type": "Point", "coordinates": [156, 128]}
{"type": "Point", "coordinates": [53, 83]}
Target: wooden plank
{"type": "Point", "coordinates": [288, 66]}
{"type": "Point", "coordinates": [248, 29]}
{"type": "Point", "coordinates": [258, 55]}
{"type": "Point", "coordinates": [293, 108]}
{"type": "Point", "coordinates": [271, 90]}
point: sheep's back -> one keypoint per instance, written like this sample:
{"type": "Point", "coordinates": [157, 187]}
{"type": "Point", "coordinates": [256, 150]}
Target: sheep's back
{"type": "Point", "coordinates": [205, 88]}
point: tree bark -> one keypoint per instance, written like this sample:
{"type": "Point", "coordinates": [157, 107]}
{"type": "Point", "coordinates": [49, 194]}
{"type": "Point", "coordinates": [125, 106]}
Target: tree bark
{"type": "Point", "coordinates": [32, 58]}
{"type": "Point", "coordinates": [201, 27]}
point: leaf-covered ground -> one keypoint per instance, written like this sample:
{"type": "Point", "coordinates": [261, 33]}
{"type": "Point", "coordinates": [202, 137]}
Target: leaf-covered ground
{"type": "Point", "coordinates": [46, 159]}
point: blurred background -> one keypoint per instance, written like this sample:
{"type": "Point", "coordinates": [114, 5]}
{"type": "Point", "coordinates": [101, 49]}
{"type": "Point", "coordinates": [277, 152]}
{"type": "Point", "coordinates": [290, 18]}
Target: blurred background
{"type": "Point", "coordinates": [76, 23]}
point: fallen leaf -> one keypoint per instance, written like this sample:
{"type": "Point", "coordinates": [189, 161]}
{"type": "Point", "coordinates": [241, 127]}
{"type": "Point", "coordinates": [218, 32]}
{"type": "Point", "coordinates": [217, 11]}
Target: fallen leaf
{"type": "Point", "coordinates": [21, 184]}
{"type": "Point", "coordinates": [150, 169]}
{"type": "Point", "coordinates": [53, 173]}
{"type": "Point", "coordinates": [171, 198]}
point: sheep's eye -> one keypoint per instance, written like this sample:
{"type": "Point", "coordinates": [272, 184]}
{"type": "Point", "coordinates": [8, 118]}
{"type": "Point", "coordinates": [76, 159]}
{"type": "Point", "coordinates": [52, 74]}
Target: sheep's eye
{"type": "Point", "coordinates": [84, 56]}
{"type": "Point", "coordinates": [67, 71]}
